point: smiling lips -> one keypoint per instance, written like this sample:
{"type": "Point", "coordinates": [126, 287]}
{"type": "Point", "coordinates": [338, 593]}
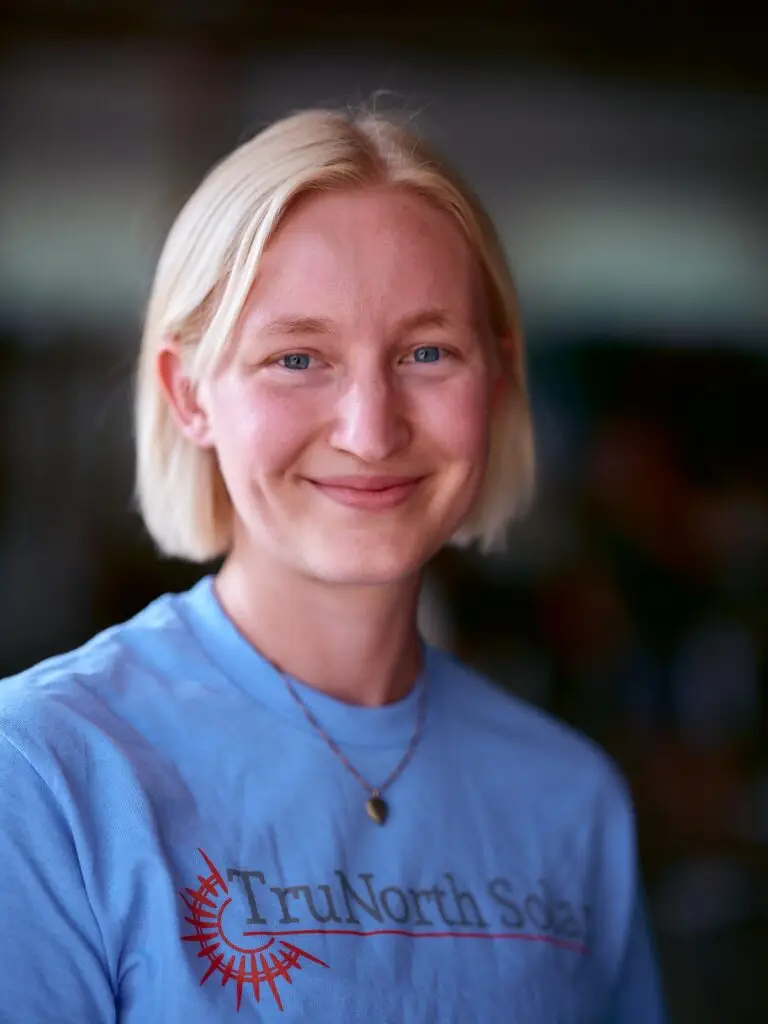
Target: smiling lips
{"type": "Point", "coordinates": [372, 493]}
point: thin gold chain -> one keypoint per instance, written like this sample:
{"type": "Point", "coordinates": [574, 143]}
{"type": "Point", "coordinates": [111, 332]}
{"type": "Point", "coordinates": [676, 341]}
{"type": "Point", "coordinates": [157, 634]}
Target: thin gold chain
{"type": "Point", "coordinates": [373, 791]}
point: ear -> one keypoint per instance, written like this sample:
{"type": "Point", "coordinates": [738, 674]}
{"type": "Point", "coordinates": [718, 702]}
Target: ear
{"type": "Point", "coordinates": [181, 392]}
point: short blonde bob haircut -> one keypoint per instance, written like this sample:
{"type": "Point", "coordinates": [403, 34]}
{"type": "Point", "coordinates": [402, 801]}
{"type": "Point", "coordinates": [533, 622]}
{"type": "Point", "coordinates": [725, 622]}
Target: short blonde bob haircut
{"type": "Point", "coordinates": [206, 270]}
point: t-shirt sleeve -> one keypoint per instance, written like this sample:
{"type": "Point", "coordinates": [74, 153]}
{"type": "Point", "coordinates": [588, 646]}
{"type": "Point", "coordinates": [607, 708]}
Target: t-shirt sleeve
{"type": "Point", "coordinates": [52, 962]}
{"type": "Point", "coordinates": [638, 997]}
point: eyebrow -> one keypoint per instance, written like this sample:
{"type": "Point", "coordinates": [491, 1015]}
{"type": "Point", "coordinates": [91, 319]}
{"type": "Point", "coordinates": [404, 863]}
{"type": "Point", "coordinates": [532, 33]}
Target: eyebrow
{"type": "Point", "coordinates": [425, 318]}
{"type": "Point", "coordinates": [291, 326]}
{"type": "Point", "coordinates": [286, 326]}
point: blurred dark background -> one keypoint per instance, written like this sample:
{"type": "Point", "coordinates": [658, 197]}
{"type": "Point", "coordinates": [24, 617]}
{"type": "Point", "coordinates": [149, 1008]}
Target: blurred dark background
{"type": "Point", "coordinates": [624, 154]}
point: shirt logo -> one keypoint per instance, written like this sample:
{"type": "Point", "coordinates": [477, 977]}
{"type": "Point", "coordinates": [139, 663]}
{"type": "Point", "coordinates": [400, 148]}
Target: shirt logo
{"type": "Point", "coordinates": [257, 966]}
{"type": "Point", "coordinates": [263, 954]}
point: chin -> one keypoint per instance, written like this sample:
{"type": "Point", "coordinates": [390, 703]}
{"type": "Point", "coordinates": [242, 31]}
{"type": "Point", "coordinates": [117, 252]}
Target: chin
{"type": "Point", "coordinates": [366, 565]}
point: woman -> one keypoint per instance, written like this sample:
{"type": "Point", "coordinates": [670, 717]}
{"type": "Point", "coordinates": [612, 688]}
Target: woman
{"type": "Point", "coordinates": [268, 796]}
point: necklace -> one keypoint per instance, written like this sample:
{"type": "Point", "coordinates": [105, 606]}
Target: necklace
{"type": "Point", "coordinates": [376, 806]}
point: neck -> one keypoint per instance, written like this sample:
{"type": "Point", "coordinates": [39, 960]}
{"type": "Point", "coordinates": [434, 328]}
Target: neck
{"type": "Point", "coordinates": [357, 644]}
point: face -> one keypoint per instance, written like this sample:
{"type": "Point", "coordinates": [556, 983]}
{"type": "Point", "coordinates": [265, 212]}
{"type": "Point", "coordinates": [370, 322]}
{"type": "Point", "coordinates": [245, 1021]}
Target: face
{"type": "Point", "coordinates": [351, 417]}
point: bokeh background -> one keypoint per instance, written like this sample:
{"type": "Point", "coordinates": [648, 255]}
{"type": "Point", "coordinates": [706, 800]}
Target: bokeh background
{"type": "Point", "coordinates": [625, 158]}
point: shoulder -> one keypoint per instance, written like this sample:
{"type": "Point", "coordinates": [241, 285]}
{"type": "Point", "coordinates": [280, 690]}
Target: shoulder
{"type": "Point", "coordinates": [510, 731]}
{"type": "Point", "coordinates": [53, 703]}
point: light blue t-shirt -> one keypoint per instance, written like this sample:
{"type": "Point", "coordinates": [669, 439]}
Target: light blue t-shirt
{"type": "Point", "coordinates": [177, 845]}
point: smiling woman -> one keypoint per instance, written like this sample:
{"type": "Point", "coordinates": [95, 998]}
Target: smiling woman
{"type": "Point", "coordinates": [327, 377]}
{"type": "Point", "coordinates": [314, 192]}
{"type": "Point", "coordinates": [330, 389]}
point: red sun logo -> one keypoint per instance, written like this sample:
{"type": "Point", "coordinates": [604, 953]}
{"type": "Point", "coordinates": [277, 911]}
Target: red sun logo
{"type": "Point", "coordinates": [254, 967]}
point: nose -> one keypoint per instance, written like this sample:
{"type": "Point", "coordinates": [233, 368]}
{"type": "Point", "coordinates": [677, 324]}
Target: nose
{"type": "Point", "coordinates": [370, 422]}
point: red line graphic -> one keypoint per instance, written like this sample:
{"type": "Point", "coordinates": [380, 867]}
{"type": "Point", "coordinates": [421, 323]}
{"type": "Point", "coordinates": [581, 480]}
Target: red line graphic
{"type": "Point", "coordinates": [574, 947]}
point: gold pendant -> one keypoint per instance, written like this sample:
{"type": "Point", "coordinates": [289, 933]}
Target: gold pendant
{"type": "Point", "coordinates": [377, 809]}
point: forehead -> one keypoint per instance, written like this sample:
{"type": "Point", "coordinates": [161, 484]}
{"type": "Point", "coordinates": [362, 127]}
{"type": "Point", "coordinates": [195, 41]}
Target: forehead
{"type": "Point", "coordinates": [368, 254]}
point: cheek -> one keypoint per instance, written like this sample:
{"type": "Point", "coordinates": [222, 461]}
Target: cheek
{"type": "Point", "coordinates": [458, 419]}
{"type": "Point", "coordinates": [257, 428]}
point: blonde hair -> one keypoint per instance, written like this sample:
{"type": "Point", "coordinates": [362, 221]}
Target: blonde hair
{"type": "Point", "coordinates": [208, 265]}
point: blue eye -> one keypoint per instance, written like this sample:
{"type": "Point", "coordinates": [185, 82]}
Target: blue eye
{"type": "Point", "coordinates": [427, 354]}
{"type": "Point", "coordinates": [295, 361]}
